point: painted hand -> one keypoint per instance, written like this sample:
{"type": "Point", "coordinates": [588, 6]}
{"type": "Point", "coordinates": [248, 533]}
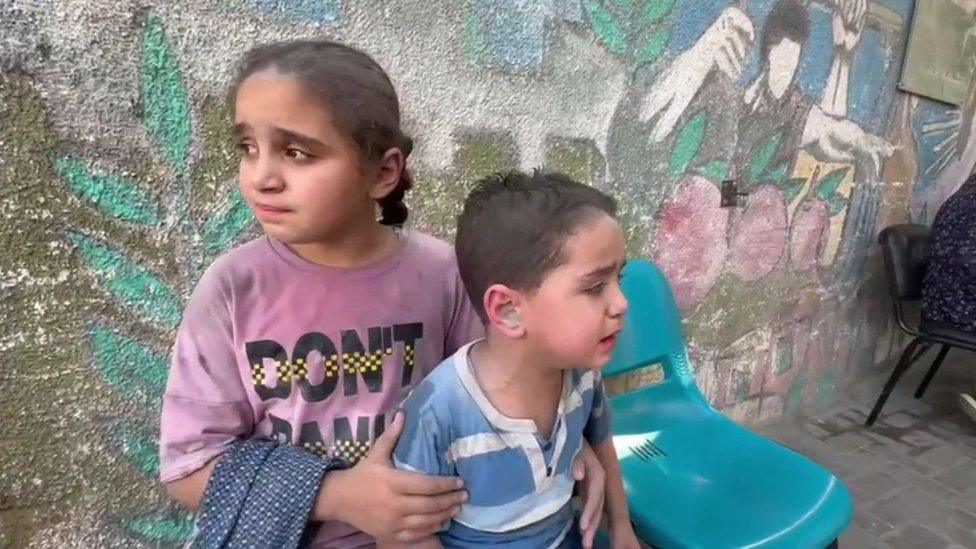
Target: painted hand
{"type": "Point", "coordinates": [841, 140]}
{"type": "Point", "coordinates": [725, 45]}
{"type": "Point", "coordinates": [848, 22]}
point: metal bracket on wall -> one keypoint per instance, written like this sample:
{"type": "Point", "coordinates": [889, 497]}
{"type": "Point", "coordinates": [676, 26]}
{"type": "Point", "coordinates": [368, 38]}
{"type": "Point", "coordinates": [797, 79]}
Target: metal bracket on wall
{"type": "Point", "coordinates": [731, 197]}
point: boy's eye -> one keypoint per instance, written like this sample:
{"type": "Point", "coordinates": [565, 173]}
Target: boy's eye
{"type": "Point", "coordinates": [246, 148]}
{"type": "Point", "coordinates": [596, 289]}
{"type": "Point", "coordinates": [297, 154]}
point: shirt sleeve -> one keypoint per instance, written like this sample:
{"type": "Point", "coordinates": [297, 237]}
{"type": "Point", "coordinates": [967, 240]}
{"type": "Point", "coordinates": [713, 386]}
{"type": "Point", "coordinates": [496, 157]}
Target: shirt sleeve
{"type": "Point", "coordinates": [465, 325]}
{"type": "Point", "coordinates": [423, 444]}
{"type": "Point", "coordinates": [205, 408]}
{"type": "Point", "coordinates": [597, 427]}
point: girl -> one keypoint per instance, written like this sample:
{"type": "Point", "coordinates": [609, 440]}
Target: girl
{"type": "Point", "coordinates": [313, 333]}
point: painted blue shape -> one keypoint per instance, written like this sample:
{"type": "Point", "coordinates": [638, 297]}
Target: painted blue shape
{"type": "Point", "coordinates": [818, 55]}
{"type": "Point", "coordinates": [509, 34]}
{"type": "Point", "coordinates": [569, 11]}
{"type": "Point", "coordinates": [871, 63]}
{"type": "Point", "coordinates": [757, 10]}
{"type": "Point", "coordinates": [320, 11]}
{"type": "Point", "coordinates": [929, 113]}
{"type": "Point", "coordinates": [691, 20]}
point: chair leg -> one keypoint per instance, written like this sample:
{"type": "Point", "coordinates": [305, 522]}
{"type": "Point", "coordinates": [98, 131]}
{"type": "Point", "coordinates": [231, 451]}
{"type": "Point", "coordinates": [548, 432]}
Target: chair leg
{"type": "Point", "coordinates": [932, 370]}
{"type": "Point", "coordinates": [907, 357]}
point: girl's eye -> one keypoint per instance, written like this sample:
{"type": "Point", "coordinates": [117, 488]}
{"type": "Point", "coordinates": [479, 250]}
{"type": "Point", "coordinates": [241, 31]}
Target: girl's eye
{"type": "Point", "coordinates": [246, 148]}
{"type": "Point", "coordinates": [297, 154]}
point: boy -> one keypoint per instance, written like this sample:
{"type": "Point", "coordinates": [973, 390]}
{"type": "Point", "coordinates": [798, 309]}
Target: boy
{"type": "Point", "coordinates": [540, 257]}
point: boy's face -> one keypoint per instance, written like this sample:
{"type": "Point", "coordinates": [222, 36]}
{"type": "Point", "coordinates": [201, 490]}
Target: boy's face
{"type": "Point", "coordinates": [574, 317]}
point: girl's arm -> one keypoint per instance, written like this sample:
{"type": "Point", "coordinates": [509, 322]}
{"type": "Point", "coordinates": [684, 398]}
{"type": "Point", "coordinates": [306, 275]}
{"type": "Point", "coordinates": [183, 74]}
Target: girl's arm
{"type": "Point", "coordinates": [188, 491]}
{"type": "Point", "coordinates": [373, 496]}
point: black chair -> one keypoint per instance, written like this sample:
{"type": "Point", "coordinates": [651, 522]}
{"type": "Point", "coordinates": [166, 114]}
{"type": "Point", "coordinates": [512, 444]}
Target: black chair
{"type": "Point", "coordinates": [906, 252]}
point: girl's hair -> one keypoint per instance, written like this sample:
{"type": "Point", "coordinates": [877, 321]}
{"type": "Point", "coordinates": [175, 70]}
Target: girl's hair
{"type": "Point", "coordinates": [357, 93]}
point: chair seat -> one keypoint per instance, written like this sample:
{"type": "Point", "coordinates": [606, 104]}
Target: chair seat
{"type": "Point", "coordinates": [697, 479]}
{"type": "Point", "coordinates": [949, 331]}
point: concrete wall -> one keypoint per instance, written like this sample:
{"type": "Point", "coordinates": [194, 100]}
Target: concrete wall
{"type": "Point", "coordinates": [117, 176]}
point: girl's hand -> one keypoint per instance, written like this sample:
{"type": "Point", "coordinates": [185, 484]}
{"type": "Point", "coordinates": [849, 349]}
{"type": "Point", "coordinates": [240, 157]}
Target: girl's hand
{"type": "Point", "coordinates": [386, 503]}
{"type": "Point", "coordinates": [592, 489]}
{"type": "Point", "coordinates": [623, 537]}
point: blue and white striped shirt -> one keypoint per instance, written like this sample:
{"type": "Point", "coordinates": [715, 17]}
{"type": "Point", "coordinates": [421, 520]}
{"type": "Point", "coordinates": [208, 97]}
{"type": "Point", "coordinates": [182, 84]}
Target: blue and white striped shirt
{"type": "Point", "coordinates": [519, 484]}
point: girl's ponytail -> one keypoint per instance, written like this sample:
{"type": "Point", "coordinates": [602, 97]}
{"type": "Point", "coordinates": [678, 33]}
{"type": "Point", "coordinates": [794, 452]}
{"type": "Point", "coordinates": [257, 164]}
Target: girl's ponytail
{"type": "Point", "coordinates": [393, 209]}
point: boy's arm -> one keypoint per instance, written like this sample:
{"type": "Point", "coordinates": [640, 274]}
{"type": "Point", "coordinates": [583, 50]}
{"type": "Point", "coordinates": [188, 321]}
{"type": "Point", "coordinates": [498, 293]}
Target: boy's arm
{"type": "Point", "coordinates": [616, 496]}
{"type": "Point", "coordinates": [597, 433]}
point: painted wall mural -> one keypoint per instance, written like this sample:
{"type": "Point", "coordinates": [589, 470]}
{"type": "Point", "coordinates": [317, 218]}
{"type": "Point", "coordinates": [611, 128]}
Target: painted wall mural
{"type": "Point", "coordinates": [118, 171]}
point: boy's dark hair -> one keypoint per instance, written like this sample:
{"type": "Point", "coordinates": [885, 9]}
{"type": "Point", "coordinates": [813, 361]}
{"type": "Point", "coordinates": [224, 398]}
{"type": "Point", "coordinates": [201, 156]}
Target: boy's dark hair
{"type": "Point", "coordinates": [513, 228]}
{"type": "Point", "coordinates": [357, 93]}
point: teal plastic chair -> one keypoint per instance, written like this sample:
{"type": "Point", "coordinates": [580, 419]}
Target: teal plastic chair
{"type": "Point", "coordinates": [695, 478]}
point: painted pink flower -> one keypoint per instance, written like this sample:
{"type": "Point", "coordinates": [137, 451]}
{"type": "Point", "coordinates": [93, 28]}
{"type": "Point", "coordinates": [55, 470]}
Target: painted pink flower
{"type": "Point", "coordinates": [690, 243]}
{"type": "Point", "coordinates": [808, 236]}
{"type": "Point", "coordinates": [758, 234]}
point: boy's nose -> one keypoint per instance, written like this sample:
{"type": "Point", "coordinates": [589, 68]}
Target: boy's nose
{"type": "Point", "coordinates": [619, 304]}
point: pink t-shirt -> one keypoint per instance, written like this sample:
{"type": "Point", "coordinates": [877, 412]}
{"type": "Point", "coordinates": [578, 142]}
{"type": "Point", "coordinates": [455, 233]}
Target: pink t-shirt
{"type": "Point", "coordinates": [274, 346]}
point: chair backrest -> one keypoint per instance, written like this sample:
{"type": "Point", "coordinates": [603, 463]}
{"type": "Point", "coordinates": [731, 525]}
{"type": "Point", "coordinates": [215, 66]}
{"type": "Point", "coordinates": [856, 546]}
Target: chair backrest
{"type": "Point", "coordinates": [906, 254]}
{"type": "Point", "coordinates": [652, 332]}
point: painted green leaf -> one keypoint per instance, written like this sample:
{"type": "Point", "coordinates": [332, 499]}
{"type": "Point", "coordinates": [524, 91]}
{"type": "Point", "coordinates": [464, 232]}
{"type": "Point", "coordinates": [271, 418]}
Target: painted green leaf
{"type": "Point", "coordinates": [136, 443]}
{"type": "Point", "coordinates": [129, 366]}
{"type": "Point", "coordinates": [171, 527]}
{"type": "Point", "coordinates": [794, 397]}
{"type": "Point", "coordinates": [166, 109]}
{"type": "Point", "coordinates": [762, 154]}
{"type": "Point", "coordinates": [224, 229]}
{"type": "Point", "coordinates": [625, 5]}
{"type": "Point", "coordinates": [836, 204]}
{"type": "Point", "coordinates": [119, 198]}
{"type": "Point", "coordinates": [794, 187]}
{"type": "Point", "coordinates": [777, 173]}
{"type": "Point", "coordinates": [651, 50]}
{"type": "Point", "coordinates": [655, 10]}
{"type": "Point", "coordinates": [829, 183]}
{"type": "Point", "coordinates": [606, 27]}
{"type": "Point", "coordinates": [687, 143]}
{"type": "Point", "coordinates": [715, 170]}
{"type": "Point", "coordinates": [134, 285]}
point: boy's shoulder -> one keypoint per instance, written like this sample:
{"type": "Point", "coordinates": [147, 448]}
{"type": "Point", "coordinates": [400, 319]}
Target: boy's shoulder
{"type": "Point", "coordinates": [439, 392]}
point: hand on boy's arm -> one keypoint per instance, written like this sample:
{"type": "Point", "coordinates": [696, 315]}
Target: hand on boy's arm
{"type": "Point", "coordinates": [386, 503]}
{"type": "Point", "coordinates": [621, 532]}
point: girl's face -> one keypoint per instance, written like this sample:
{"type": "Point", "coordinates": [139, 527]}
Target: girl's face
{"type": "Point", "coordinates": [303, 179]}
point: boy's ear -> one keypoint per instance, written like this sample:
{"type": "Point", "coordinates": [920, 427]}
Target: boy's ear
{"type": "Point", "coordinates": [388, 171]}
{"type": "Point", "coordinates": [503, 309]}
